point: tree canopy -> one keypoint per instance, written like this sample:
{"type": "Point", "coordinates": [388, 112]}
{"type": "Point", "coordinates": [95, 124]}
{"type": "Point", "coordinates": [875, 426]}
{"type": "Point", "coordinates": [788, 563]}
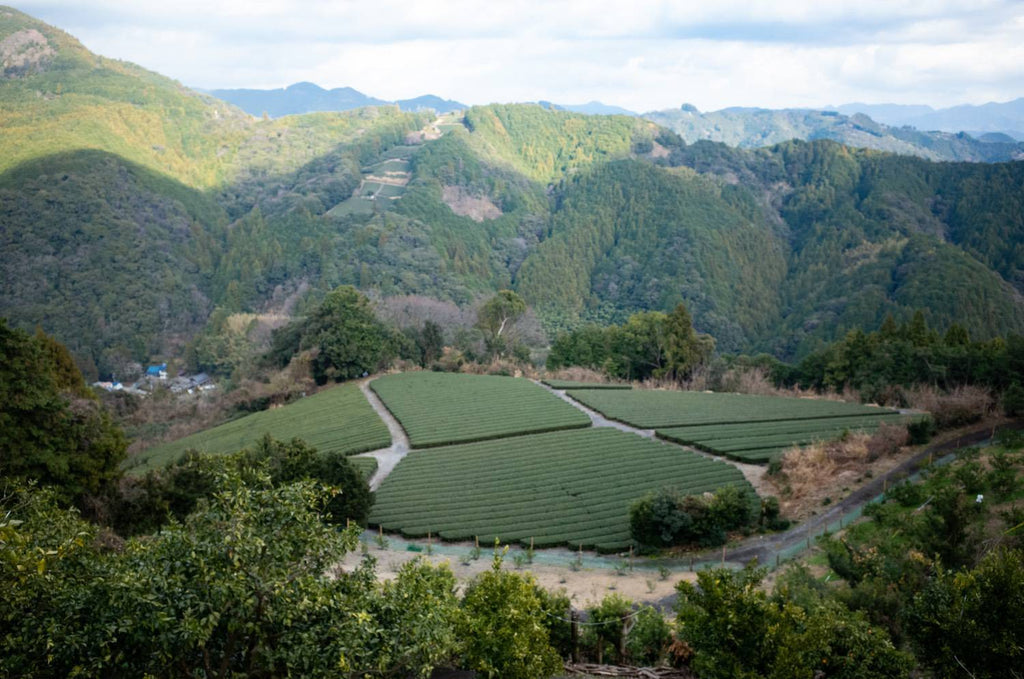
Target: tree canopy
{"type": "Point", "coordinates": [52, 429]}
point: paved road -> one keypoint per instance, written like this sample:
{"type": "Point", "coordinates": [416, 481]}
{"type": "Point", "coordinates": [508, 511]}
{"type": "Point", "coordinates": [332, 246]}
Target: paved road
{"type": "Point", "coordinates": [765, 548]}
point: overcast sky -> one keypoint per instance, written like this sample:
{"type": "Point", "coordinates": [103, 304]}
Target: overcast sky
{"type": "Point", "coordinates": [639, 54]}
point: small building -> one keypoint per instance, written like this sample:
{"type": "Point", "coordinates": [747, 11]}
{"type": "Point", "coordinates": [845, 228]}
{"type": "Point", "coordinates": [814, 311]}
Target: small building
{"type": "Point", "coordinates": [158, 371]}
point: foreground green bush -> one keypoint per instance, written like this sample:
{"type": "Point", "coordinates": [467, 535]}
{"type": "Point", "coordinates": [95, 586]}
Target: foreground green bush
{"type": "Point", "coordinates": [666, 518]}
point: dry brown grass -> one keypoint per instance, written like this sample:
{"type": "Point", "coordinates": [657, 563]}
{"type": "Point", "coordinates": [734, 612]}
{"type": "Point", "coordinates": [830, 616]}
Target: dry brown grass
{"type": "Point", "coordinates": [577, 374]}
{"type": "Point", "coordinates": [820, 473]}
{"type": "Point", "coordinates": [754, 381]}
{"type": "Point", "coordinates": [501, 366]}
{"type": "Point", "coordinates": [955, 408]}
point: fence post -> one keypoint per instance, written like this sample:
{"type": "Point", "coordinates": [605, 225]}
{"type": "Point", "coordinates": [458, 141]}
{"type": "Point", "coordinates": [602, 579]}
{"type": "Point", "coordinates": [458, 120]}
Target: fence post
{"type": "Point", "coordinates": [574, 633]}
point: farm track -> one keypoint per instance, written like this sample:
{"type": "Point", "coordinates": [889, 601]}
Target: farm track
{"type": "Point", "coordinates": [387, 458]}
{"type": "Point", "coordinates": [596, 418]}
{"type": "Point", "coordinates": [764, 549]}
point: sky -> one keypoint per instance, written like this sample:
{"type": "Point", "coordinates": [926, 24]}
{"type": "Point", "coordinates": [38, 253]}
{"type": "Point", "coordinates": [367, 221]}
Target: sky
{"type": "Point", "coordinates": [642, 55]}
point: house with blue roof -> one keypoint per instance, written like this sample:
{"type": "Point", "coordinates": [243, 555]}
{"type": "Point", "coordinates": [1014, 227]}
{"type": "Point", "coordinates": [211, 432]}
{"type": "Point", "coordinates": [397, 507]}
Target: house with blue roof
{"type": "Point", "coordinates": [159, 371]}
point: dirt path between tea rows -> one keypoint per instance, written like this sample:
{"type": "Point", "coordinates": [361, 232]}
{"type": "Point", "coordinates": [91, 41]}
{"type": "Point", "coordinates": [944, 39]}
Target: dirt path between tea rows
{"type": "Point", "coordinates": [387, 458]}
{"type": "Point", "coordinates": [754, 473]}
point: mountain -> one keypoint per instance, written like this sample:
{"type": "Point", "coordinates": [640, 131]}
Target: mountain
{"type": "Point", "coordinates": [429, 101]}
{"type": "Point", "coordinates": [756, 127]}
{"type": "Point", "coordinates": [297, 98]}
{"type": "Point", "coordinates": [133, 208]}
{"type": "Point", "coordinates": [308, 97]}
{"type": "Point", "coordinates": [121, 192]}
{"type": "Point", "coordinates": [1006, 117]}
{"type": "Point", "coordinates": [597, 108]}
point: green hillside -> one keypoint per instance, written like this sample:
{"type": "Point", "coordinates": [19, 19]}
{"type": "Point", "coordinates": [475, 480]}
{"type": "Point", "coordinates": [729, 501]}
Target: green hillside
{"type": "Point", "coordinates": [132, 207]}
{"type": "Point", "coordinates": [630, 235]}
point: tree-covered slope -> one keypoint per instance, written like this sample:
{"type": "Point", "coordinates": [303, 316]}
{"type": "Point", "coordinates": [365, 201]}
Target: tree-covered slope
{"type": "Point", "coordinates": [110, 256]}
{"type": "Point", "coordinates": [132, 207]}
{"type": "Point", "coordinates": [631, 236]}
{"type": "Point", "coordinates": [870, 234]}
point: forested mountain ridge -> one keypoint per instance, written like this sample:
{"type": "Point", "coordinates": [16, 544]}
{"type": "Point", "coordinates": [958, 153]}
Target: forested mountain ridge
{"type": "Point", "coordinates": [758, 127]}
{"type": "Point", "coordinates": [133, 207]}
{"type": "Point", "coordinates": [119, 191]}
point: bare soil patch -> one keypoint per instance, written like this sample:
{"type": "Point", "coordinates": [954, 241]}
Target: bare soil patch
{"type": "Point", "coordinates": [477, 208]}
{"type": "Point", "coordinates": [585, 587]}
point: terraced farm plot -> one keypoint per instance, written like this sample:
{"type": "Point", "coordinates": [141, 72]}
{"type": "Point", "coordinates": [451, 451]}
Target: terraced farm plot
{"type": "Point", "coordinates": [571, 384]}
{"type": "Point", "coordinates": [391, 165]}
{"type": "Point", "coordinates": [400, 152]}
{"type": "Point", "coordinates": [370, 188]}
{"type": "Point", "coordinates": [437, 409]}
{"type": "Point", "coordinates": [390, 191]}
{"type": "Point", "coordinates": [338, 419]}
{"type": "Point", "coordinates": [563, 488]}
{"type": "Point", "coordinates": [652, 409]}
{"type": "Point", "coordinates": [762, 441]}
{"type": "Point", "coordinates": [356, 205]}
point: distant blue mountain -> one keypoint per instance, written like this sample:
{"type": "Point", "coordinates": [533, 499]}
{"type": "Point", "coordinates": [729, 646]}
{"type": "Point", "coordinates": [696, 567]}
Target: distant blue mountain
{"type": "Point", "coordinates": [1006, 117]}
{"type": "Point", "coordinates": [308, 97]}
{"type": "Point", "coordinates": [597, 108]}
{"type": "Point", "coordinates": [430, 101]}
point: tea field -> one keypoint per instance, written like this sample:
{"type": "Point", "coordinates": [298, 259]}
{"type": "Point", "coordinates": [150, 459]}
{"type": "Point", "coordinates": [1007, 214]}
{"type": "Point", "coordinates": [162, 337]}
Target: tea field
{"type": "Point", "coordinates": [761, 441]}
{"type": "Point", "coordinates": [740, 426]}
{"type": "Point", "coordinates": [562, 488]}
{"type": "Point", "coordinates": [438, 409]}
{"type": "Point", "coordinates": [572, 384]}
{"type": "Point", "coordinates": [654, 409]}
{"type": "Point", "coordinates": [337, 419]}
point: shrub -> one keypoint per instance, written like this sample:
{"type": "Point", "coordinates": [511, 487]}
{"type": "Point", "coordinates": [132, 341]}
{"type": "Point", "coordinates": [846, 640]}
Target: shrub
{"type": "Point", "coordinates": [647, 643]}
{"type": "Point", "coordinates": [1013, 400]}
{"type": "Point", "coordinates": [665, 518]}
{"type": "Point", "coordinates": [502, 628]}
{"type": "Point", "coordinates": [921, 431]}
{"type": "Point", "coordinates": [886, 440]}
{"type": "Point", "coordinates": [956, 408]}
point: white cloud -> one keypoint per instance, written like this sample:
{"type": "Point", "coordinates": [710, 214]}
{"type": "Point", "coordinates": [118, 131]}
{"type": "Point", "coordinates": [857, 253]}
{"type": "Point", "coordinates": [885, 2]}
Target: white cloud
{"type": "Point", "coordinates": [643, 55]}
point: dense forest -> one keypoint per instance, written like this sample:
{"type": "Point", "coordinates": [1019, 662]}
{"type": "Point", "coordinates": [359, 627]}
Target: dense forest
{"type": "Point", "coordinates": [135, 208]}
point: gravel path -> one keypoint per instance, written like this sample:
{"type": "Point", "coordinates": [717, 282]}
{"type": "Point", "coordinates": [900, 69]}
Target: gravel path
{"type": "Point", "coordinates": [386, 458]}
{"type": "Point", "coordinates": [754, 473]}
{"type": "Point", "coordinates": [596, 418]}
